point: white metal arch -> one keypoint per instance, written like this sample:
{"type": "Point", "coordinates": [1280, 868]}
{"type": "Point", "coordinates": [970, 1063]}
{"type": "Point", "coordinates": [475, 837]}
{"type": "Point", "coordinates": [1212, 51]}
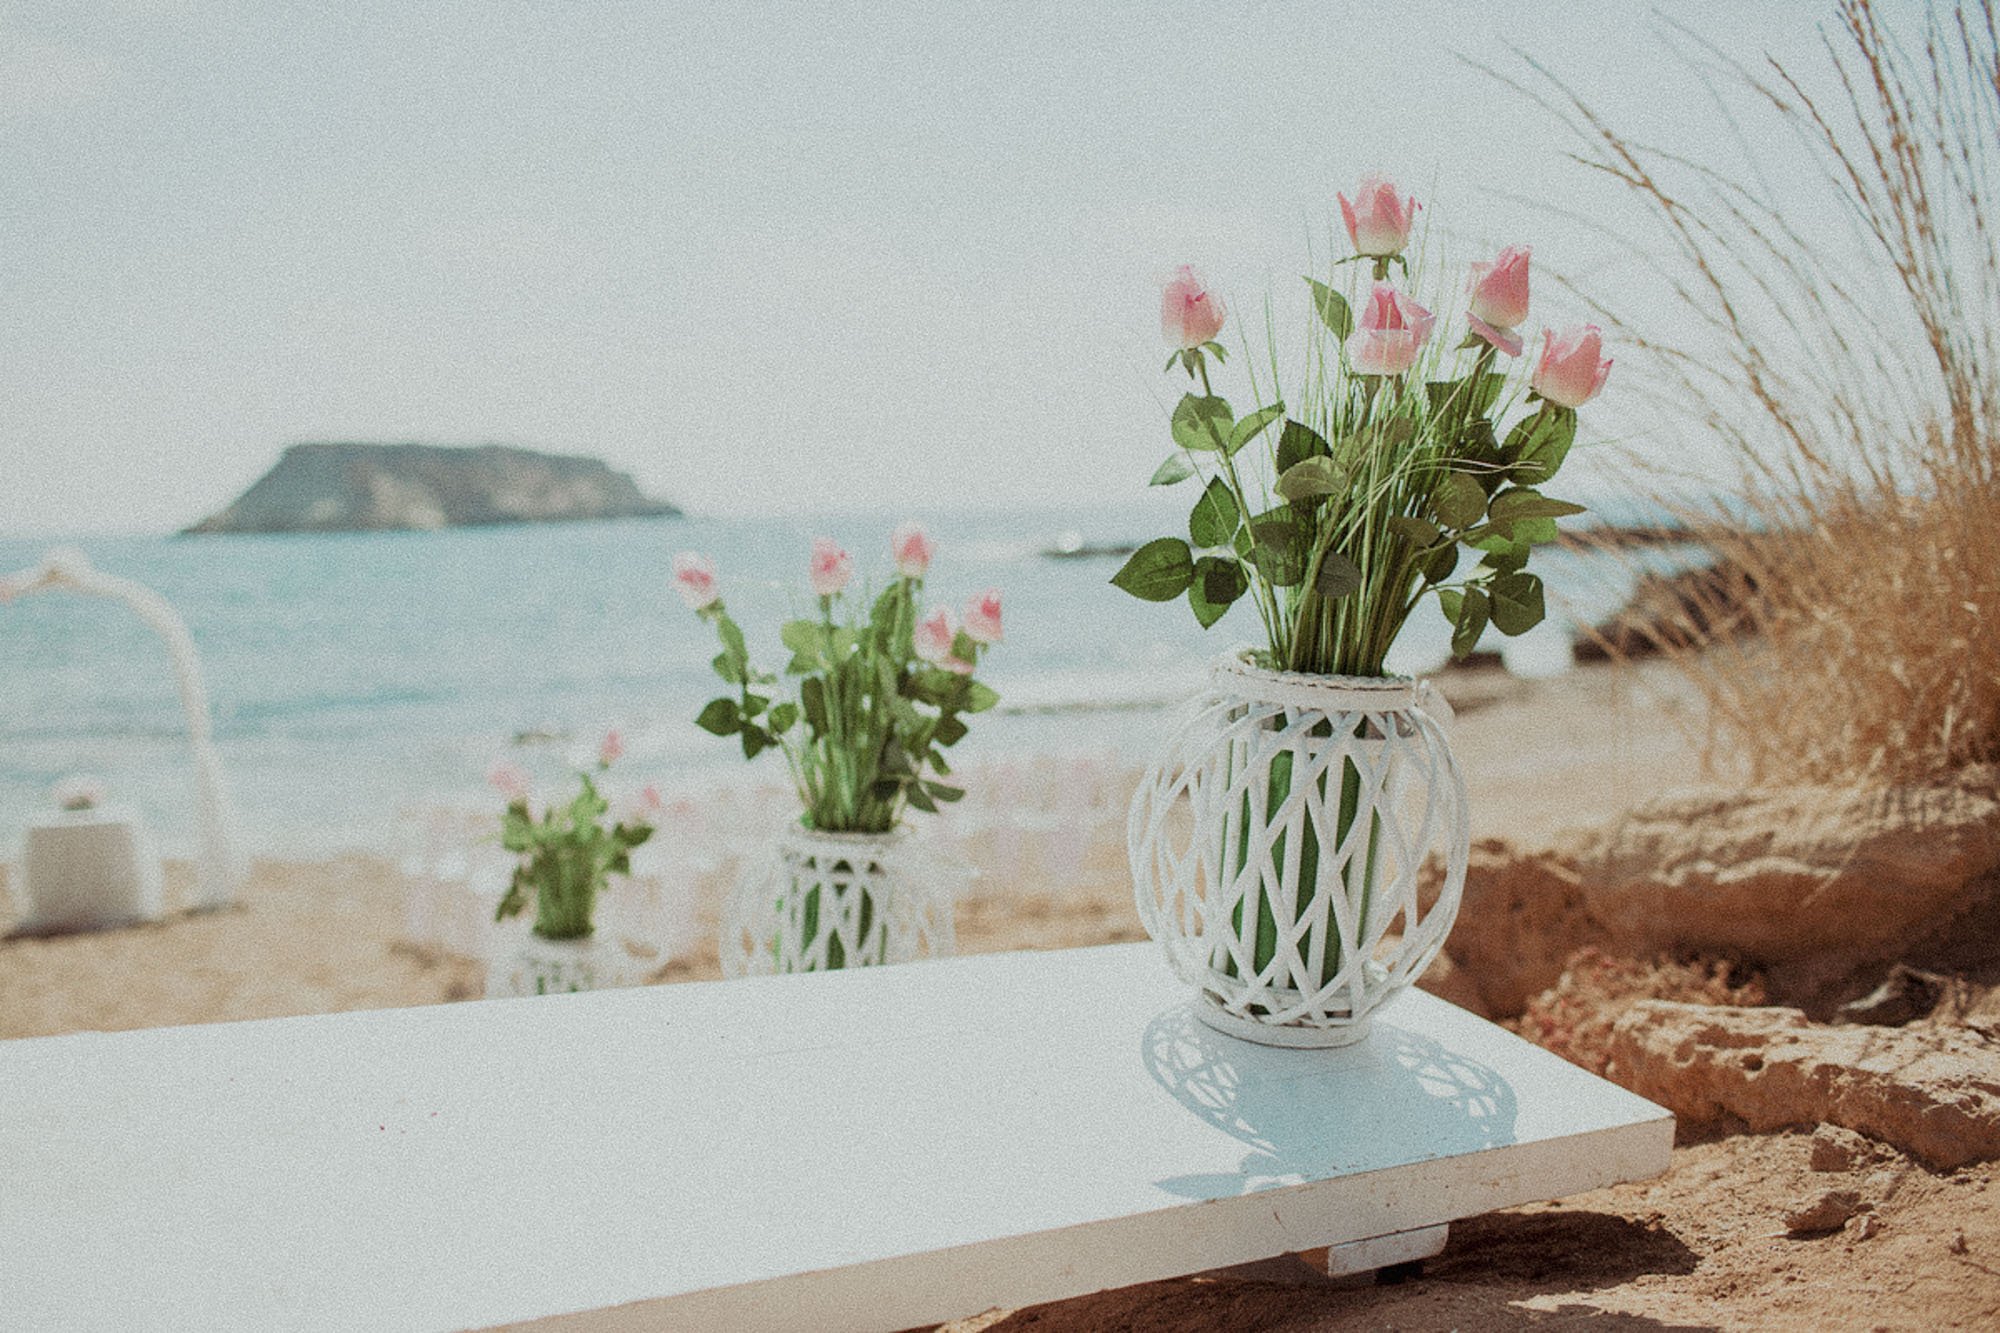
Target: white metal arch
{"type": "Point", "coordinates": [218, 867]}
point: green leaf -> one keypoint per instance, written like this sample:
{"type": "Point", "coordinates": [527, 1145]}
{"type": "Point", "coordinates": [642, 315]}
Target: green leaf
{"type": "Point", "coordinates": [978, 697]}
{"type": "Point", "coordinates": [754, 741]}
{"type": "Point", "coordinates": [732, 641]}
{"type": "Point", "coordinates": [804, 637]}
{"type": "Point", "coordinates": [782, 717]}
{"type": "Point", "coordinates": [1253, 425]}
{"type": "Point", "coordinates": [950, 729]}
{"type": "Point", "coordinates": [729, 668]}
{"type": "Point", "coordinates": [1512, 506]}
{"type": "Point", "coordinates": [919, 800]}
{"type": "Point", "coordinates": [1337, 577]}
{"type": "Point", "coordinates": [1441, 563]}
{"type": "Point", "coordinates": [1458, 500]}
{"type": "Point", "coordinates": [1213, 520]}
{"type": "Point", "coordinates": [1216, 584]}
{"type": "Point", "coordinates": [1159, 571]}
{"type": "Point", "coordinates": [1418, 532]}
{"type": "Point", "coordinates": [1281, 548]}
{"type": "Point", "coordinates": [1449, 601]}
{"type": "Point", "coordinates": [1221, 581]}
{"type": "Point", "coordinates": [1296, 443]}
{"type": "Point", "coordinates": [1470, 621]}
{"type": "Point", "coordinates": [938, 791]}
{"type": "Point", "coordinates": [1201, 424]}
{"type": "Point", "coordinates": [1517, 602]}
{"type": "Point", "coordinates": [719, 717]}
{"type": "Point", "coordinates": [812, 702]}
{"type": "Point", "coordinates": [1460, 397]}
{"type": "Point", "coordinates": [1176, 468]}
{"type": "Point", "coordinates": [1537, 446]}
{"type": "Point", "coordinates": [1310, 478]}
{"type": "Point", "coordinates": [1332, 307]}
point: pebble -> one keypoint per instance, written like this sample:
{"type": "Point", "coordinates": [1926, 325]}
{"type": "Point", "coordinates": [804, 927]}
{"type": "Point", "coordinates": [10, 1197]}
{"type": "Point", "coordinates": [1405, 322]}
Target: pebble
{"type": "Point", "coordinates": [1827, 1210]}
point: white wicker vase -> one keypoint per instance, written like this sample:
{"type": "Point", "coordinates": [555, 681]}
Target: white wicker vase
{"type": "Point", "coordinates": [531, 965]}
{"type": "Point", "coordinates": [816, 902]}
{"type": "Point", "coordinates": [1278, 845]}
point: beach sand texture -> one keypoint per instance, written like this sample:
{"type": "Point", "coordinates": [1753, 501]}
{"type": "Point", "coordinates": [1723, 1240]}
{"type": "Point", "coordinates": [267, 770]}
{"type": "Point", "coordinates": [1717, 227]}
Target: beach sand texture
{"type": "Point", "coordinates": [1705, 1247]}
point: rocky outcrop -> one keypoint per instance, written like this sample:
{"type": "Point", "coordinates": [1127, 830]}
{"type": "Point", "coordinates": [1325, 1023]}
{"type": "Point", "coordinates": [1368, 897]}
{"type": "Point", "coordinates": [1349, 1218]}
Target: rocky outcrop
{"type": "Point", "coordinates": [1521, 917]}
{"type": "Point", "coordinates": [383, 487]}
{"type": "Point", "coordinates": [1934, 1093]}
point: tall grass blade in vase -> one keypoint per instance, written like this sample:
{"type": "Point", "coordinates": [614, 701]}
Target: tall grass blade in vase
{"type": "Point", "coordinates": [876, 704]}
{"type": "Point", "coordinates": [1398, 466]}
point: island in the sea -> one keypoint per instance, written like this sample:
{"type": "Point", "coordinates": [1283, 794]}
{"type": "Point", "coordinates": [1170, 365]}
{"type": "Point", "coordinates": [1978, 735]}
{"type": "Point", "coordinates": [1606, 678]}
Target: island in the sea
{"type": "Point", "coordinates": [418, 487]}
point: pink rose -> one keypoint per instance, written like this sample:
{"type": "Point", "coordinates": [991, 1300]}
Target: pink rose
{"type": "Point", "coordinates": [509, 779]}
{"type": "Point", "coordinates": [1190, 314]}
{"type": "Point", "coordinates": [1388, 333]}
{"type": "Point", "coordinates": [934, 638]}
{"type": "Point", "coordinates": [612, 750]}
{"type": "Point", "coordinates": [912, 548]}
{"type": "Point", "coordinates": [982, 617]}
{"type": "Point", "coordinates": [1573, 368]}
{"type": "Point", "coordinates": [830, 569]}
{"type": "Point", "coordinates": [1378, 221]}
{"type": "Point", "coordinates": [1499, 298]}
{"type": "Point", "coordinates": [650, 805]}
{"type": "Point", "coordinates": [694, 578]}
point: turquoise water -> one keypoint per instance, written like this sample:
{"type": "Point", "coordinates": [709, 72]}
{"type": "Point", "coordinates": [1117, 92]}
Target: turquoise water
{"type": "Point", "coordinates": [353, 674]}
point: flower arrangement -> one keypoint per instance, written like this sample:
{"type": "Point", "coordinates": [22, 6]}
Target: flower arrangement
{"type": "Point", "coordinates": [879, 700]}
{"type": "Point", "coordinates": [1389, 461]}
{"type": "Point", "coordinates": [568, 854]}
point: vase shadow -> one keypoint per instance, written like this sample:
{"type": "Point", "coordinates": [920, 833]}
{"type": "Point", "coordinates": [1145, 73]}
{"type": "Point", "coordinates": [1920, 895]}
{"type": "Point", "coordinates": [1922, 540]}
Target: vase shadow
{"type": "Point", "coordinates": [1394, 1089]}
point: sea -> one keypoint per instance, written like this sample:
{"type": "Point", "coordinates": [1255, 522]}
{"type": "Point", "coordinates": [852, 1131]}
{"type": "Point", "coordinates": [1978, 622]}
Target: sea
{"type": "Point", "coordinates": [354, 677]}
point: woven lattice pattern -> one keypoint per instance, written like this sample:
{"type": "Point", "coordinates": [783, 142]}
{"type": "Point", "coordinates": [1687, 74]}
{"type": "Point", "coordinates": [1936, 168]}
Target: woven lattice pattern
{"type": "Point", "coordinates": [1277, 847]}
{"type": "Point", "coordinates": [822, 901]}
{"type": "Point", "coordinates": [535, 966]}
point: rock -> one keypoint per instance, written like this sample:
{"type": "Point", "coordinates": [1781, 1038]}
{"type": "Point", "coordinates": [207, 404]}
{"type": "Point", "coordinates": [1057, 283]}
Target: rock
{"type": "Point", "coordinates": [1837, 1149]}
{"type": "Point", "coordinates": [1827, 1210]}
{"type": "Point", "coordinates": [1452, 983]}
{"type": "Point", "coordinates": [1904, 995]}
{"type": "Point", "coordinates": [1521, 918]}
{"type": "Point", "coordinates": [1815, 879]}
{"type": "Point", "coordinates": [379, 487]}
{"type": "Point", "coordinates": [1934, 1093]}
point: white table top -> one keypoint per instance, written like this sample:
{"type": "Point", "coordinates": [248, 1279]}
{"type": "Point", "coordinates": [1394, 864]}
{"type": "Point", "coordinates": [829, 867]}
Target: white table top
{"type": "Point", "coordinates": [855, 1150]}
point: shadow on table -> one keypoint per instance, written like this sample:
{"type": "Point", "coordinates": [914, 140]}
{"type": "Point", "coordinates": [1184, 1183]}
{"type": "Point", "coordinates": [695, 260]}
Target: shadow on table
{"type": "Point", "coordinates": [1397, 1096]}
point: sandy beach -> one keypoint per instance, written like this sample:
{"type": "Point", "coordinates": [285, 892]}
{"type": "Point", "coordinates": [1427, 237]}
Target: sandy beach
{"type": "Point", "coordinates": [1708, 1246]}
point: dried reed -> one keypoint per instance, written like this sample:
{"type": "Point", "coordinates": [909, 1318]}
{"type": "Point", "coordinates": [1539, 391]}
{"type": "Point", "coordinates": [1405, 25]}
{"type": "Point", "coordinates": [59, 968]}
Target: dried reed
{"type": "Point", "coordinates": [1851, 628]}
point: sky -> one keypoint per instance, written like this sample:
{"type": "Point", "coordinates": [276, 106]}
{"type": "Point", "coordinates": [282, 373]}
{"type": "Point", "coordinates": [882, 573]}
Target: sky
{"type": "Point", "coordinates": [764, 257]}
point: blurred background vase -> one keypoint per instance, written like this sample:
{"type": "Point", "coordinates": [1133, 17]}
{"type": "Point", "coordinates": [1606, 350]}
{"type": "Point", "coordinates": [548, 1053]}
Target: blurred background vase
{"type": "Point", "coordinates": [529, 964]}
{"type": "Point", "coordinates": [817, 902]}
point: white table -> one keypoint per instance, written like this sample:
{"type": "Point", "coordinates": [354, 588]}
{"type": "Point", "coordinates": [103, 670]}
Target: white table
{"type": "Point", "coordinates": [860, 1150]}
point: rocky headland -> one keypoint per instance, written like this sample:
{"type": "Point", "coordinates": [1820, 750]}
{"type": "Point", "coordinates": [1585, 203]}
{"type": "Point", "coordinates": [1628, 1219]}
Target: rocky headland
{"type": "Point", "coordinates": [420, 487]}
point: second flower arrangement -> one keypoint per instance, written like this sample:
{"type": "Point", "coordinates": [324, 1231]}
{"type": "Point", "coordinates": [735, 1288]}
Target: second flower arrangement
{"type": "Point", "coordinates": [877, 703]}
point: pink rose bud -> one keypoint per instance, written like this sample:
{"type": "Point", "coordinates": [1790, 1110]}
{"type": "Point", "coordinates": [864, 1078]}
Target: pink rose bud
{"type": "Point", "coordinates": [612, 750]}
{"type": "Point", "coordinates": [1378, 221]}
{"type": "Point", "coordinates": [1190, 314]}
{"type": "Point", "coordinates": [1388, 333]}
{"type": "Point", "coordinates": [1573, 367]}
{"type": "Point", "coordinates": [830, 568]}
{"type": "Point", "coordinates": [650, 805]}
{"type": "Point", "coordinates": [982, 617]}
{"type": "Point", "coordinates": [694, 577]}
{"type": "Point", "coordinates": [1499, 298]}
{"type": "Point", "coordinates": [912, 548]}
{"type": "Point", "coordinates": [934, 636]}
{"type": "Point", "coordinates": [509, 779]}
